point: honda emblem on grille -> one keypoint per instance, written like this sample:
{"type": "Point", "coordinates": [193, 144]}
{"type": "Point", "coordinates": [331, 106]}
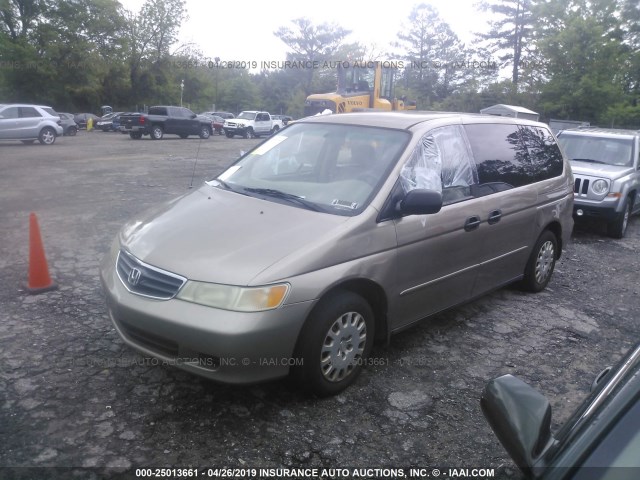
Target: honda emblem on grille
{"type": "Point", "coordinates": [134, 277]}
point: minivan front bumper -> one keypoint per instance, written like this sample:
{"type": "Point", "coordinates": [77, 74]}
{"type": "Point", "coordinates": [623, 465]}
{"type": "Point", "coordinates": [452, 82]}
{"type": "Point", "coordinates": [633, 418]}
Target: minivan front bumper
{"type": "Point", "coordinates": [226, 346]}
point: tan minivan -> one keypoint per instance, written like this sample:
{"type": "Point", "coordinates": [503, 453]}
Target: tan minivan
{"type": "Point", "coordinates": [337, 231]}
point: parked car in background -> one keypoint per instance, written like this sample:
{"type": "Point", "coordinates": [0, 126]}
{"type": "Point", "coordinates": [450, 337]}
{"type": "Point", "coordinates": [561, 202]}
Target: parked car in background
{"type": "Point", "coordinates": [29, 123]}
{"type": "Point", "coordinates": [285, 119]}
{"type": "Point", "coordinates": [69, 125]}
{"type": "Point", "coordinates": [106, 122]}
{"type": "Point", "coordinates": [339, 230]}
{"type": "Point", "coordinates": [606, 168]}
{"type": "Point", "coordinates": [601, 440]}
{"type": "Point", "coordinates": [224, 115]}
{"type": "Point", "coordinates": [82, 118]}
{"type": "Point", "coordinates": [218, 123]}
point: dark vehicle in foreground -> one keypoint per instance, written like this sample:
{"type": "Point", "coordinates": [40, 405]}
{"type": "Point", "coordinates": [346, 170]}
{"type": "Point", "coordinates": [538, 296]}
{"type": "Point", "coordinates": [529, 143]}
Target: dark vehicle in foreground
{"type": "Point", "coordinates": [606, 168]}
{"type": "Point", "coordinates": [163, 120]}
{"type": "Point", "coordinates": [69, 125]}
{"type": "Point", "coordinates": [601, 440]}
{"type": "Point", "coordinates": [339, 230]}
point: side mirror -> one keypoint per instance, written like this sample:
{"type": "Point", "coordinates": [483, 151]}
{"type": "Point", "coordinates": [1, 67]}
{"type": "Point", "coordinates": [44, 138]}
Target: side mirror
{"type": "Point", "coordinates": [520, 417]}
{"type": "Point", "coordinates": [421, 202]}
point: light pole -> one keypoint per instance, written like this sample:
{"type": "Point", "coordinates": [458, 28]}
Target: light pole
{"type": "Point", "coordinates": [181, 90]}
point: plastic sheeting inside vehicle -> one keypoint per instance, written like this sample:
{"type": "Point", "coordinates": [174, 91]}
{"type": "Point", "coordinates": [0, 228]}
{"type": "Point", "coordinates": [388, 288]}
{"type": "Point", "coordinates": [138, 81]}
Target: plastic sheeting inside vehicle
{"type": "Point", "coordinates": [443, 159]}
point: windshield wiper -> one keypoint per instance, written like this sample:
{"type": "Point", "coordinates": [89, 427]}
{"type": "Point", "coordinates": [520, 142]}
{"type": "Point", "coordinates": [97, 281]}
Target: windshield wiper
{"type": "Point", "coordinates": [588, 160]}
{"type": "Point", "coordinates": [271, 192]}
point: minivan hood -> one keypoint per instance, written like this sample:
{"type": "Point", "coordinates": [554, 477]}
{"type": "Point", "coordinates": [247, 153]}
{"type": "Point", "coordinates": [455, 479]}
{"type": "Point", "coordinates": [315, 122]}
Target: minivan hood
{"type": "Point", "coordinates": [599, 169]}
{"type": "Point", "coordinates": [219, 236]}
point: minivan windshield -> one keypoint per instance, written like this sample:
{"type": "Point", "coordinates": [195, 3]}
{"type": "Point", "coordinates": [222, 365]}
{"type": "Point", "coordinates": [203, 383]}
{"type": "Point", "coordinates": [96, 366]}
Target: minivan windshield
{"type": "Point", "coordinates": [322, 167]}
{"type": "Point", "coordinates": [598, 149]}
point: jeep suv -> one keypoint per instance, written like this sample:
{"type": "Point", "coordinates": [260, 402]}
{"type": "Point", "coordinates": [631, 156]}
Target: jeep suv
{"type": "Point", "coordinates": [29, 123]}
{"type": "Point", "coordinates": [605, 166]}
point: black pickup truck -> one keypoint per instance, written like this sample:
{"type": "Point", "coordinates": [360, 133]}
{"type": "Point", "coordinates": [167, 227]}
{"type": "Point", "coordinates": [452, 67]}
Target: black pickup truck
{"type": "Point", "coordinates": [160, 120]}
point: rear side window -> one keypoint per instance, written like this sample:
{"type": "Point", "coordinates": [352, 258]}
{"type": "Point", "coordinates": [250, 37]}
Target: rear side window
{"type": "Point", "coordinates": [158, 111]}
{"type": "Point", "coordinates": [11, 112]}
{"type": "Point", "coordinates": [509, 156]}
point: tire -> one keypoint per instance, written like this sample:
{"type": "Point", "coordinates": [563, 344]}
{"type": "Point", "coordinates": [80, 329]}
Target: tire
{"type": "Point", "coordinates": [274, 130]}
{"type": "Point", "coordinates": [205, 133]}
{"type": "Point", "coordinates": [71, 131]}
{"type": "Point", "coordinates": [229, 134]}
{"type": "Point", "coordinates": [542, 261]}
{"type": "Point", "coordinates": [135, 135]}
{"type": "Point", "coordinates": [47, 136]}
{"type": "Point", "coordinates": [156, 132]}
{"type": "Point", "coordinates": [618, 227]}
{"type": "Point", "coordinates": [183, 135]}
{"type": "Point", "coordinates": [330, 360]}
{"type": "Point", "coordinates": [249, 133]}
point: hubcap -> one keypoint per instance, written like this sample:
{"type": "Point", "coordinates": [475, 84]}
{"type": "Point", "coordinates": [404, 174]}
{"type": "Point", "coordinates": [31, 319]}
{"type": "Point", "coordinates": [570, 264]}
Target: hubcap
{"type": "Point", "coordinates": [48, 137]}
{"type": "Point", "coordinates": [343, 346]}
{"type": "Point", "coordinates": [546, 257]}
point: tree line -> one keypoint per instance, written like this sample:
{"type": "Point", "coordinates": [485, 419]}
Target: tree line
{"type": "Point", "coordinates": [566, 59]}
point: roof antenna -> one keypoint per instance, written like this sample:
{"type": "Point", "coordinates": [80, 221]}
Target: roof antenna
{"type": "Point", "coordinates": [193, 174]}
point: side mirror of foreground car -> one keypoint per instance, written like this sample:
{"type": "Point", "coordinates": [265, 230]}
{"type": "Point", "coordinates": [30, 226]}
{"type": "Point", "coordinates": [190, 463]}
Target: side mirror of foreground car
{"type": "Point", "coordinates": [520, 417]}
{"type": "Point", "coordinates": [421, 202]}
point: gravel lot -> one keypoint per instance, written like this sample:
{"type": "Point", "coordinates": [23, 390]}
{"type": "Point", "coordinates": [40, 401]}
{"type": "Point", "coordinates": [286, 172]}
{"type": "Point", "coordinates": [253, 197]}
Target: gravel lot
{"type": "Point", "coordinates": [72, 395]}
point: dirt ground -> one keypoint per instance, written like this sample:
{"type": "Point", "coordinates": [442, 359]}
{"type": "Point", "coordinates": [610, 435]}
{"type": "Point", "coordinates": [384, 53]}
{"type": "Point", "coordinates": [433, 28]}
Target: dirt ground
{"type": "Point", "coordinates": [75, 400]}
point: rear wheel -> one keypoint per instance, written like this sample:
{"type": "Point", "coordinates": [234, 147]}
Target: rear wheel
{"type": "Point", "coordinates": [47, 136]}
{"type": "Point", "coordinates": [618, 227]}
{"type": "Point", "coordinates": [156, 132]}
{"type": "Point", "coordinates": [336, 339]}
{"type": "Point", "coordinates": [71, 131]}
{"type": "Point", "coordinates": [274, 130]}
{"type": "Point", "coordinates": [542, 261]}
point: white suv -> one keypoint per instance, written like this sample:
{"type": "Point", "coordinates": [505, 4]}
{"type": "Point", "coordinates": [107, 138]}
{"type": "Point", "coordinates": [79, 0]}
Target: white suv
{"type": "Point", "coordinates": [29, 123]}
{"type": "Point", "coordinates": [606, 168]}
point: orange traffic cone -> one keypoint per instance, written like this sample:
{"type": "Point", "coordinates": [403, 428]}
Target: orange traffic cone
{"type": "Point", "coordinates": [39, 279]}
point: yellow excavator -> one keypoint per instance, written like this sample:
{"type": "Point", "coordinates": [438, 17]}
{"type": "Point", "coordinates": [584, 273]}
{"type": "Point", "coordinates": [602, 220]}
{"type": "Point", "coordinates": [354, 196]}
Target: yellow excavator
{"type": "Point", "coordinates": [362, 86]}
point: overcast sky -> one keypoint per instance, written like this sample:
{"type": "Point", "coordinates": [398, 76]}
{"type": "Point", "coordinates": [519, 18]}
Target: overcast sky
{"type": "Point", "coordinates": [243, 31]}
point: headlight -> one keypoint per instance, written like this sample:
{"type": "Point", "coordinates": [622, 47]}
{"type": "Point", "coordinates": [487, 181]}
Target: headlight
{"type": "Point", "coordinates": [238, 299]}
{"type": "Point", "coordinates": [600, 187]}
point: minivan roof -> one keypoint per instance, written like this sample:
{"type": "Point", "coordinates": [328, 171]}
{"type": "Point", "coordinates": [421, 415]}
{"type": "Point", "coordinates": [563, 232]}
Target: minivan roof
{"type": "Point", "coordinates": [407, 119]}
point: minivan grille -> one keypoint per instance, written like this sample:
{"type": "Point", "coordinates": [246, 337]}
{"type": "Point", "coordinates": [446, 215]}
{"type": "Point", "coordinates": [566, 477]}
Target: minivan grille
{"type": "Point", "coordinates": [581, 186]}
{"type": "Point", "coordinates": [146, 280]}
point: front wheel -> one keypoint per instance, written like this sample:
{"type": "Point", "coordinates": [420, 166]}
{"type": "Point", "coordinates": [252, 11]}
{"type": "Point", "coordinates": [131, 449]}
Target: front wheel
{"type": "Point", "coordinates": [156, 132]}
{"type": "Point", "coordinates": [229, 134]}
{"type": "Point", "coordinates": [249, 133]}
{"type": "Point", "coordinates": [335, 341]}
{"type": "Point", "coordinates": [542, 261]}
{"type": "Point", "coordinates": [205, 133]}
{"type": "Point", "coordinates": [618, 227]}
{"type": "Point", "coordinates": [71, 131]}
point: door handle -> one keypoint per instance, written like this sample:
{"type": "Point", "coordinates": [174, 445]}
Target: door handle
{"type": "Point", "coordinates": [495, 216]}
{"type": "Point", "coordinates": [472, 223]}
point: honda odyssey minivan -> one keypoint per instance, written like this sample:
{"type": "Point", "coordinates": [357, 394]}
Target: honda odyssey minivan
{"type": "Point", "coordinates": [338, 231]}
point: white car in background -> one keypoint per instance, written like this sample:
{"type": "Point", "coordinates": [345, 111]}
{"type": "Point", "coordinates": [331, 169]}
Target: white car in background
{"type": "Point", "coordinates": [29, 123]}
